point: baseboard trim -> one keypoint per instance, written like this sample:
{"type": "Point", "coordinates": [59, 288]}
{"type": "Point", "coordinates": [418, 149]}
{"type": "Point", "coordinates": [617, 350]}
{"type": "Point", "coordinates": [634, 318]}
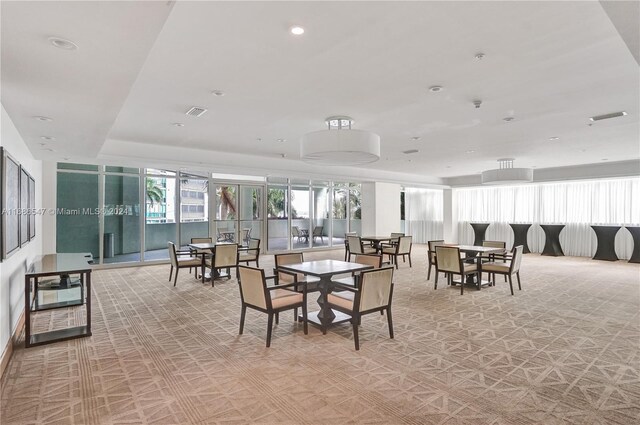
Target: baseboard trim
{"type": "Point", "coordinates": [8, 350]}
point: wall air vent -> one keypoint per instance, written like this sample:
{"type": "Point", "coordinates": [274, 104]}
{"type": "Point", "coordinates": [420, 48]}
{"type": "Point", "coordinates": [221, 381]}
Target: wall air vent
{"type": "Point", "coordinates": [607, 116]}
{"type": "Point", "coordinates": [196, 111]}
{"type": "Point", "coordinates": [410, 151]}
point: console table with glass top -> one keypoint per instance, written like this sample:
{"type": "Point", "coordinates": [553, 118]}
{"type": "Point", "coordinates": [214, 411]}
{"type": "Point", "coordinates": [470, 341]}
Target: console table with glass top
{"type": "Point", "coordinates": [69, 271]}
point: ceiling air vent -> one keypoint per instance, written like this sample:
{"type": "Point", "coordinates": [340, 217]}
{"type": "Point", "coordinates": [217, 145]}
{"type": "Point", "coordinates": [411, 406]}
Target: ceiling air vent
{"type": "Point", "coordinates": [196, 111]}
{"type": "Point", "coordinates": [607, 116]}
{"type": "Point", "coordinates": [411, 151]}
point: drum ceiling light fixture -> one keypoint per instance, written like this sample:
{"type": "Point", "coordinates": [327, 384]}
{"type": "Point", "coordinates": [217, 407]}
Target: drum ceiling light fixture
{"type": "Point", "coordinates": [340, 144]}
{"type": "Point", "coordinates": [506, 174]}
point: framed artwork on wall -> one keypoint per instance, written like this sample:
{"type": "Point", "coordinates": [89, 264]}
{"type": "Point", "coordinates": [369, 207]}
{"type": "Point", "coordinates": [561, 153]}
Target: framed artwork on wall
{"type": "Point", "coordinates": [32, 206]}
{"type": "Point", "coordinates": [10, 205]}
{"type": "Point", "coordinates": [24, 207]}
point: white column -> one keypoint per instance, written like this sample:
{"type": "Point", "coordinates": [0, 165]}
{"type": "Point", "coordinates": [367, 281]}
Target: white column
{"type": "Point", "coordinates": [380, 208]}
{"type": "Point", "coordinates": [49, 196]}
{"type": "Point", "coordinates": [449, 215]}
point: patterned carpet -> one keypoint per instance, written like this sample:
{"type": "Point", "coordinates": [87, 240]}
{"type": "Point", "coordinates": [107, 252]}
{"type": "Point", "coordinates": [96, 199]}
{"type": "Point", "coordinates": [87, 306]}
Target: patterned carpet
{"type": "Point", "coordinates": [565, 349]}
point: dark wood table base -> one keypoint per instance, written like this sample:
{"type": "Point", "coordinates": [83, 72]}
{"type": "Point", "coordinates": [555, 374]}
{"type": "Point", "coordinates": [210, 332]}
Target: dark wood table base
{"type": "Point", "coordinates": [520, 232]}
{"type": "Point", "coordinates": [635, 234]}
{"type": "Point", "coordinates": [479, 230]}
{"type": "Point", "coordinates": [606, 249]}
{"type": "Point", "coordinates": [552, 245]}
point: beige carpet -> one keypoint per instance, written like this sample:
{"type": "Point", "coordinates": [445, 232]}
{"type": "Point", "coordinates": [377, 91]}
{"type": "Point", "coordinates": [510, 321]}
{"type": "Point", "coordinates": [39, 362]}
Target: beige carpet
{"type": "Point", "coordinates": [565, 349]}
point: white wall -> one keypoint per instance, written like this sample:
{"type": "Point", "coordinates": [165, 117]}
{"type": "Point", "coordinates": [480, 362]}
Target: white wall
{"type": "Point", "coordinates": [12, 269]}
{"type": "Point", "coordinates": [380, 208]}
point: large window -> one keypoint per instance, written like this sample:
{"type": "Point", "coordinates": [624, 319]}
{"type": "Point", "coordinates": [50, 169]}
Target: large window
{"type": "Point", "coordinates": [577, 205]}
{"type": "Point", "coordinates": [194, 207]}
{"type": "Point", "coordinates": [124, 214]}
{"type": "Point", "coordinates": [160, 214]}
{"type": "Point", "coordinates": [277, 217]}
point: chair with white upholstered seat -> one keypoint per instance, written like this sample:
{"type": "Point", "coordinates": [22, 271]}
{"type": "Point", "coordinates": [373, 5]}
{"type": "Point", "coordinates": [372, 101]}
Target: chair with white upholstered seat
{"type": "Point", "coordinates": [448, 260]}
{"type": "Point", "coordinates": [402, 248]}
{"type": "Point", "coordinates": [255, 294]}
{"type": "Point", "coordinates": [507, 269]}
{"type": "Point", "coordinates": [182, 260]}
{"type": "Point", "coordinates": [225, 257]}
{"type": "Point", "coordinates": [252, 253]}
{"type": "Point", "coordinates": [374, 294]}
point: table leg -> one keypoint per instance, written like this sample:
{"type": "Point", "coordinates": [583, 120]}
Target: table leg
{"type": "Point", "coordinates": [88, 293]}
{"type": "Point", "coordinates": [325, 315]}
{"type": "Point", "coordinates": [27, 312]}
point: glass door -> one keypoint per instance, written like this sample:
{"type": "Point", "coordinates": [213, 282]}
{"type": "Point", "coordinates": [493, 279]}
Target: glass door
{"type": "Point", "coordinates": [194, 207]}
{"type": "Point", "coordinates": [225, 224]}
{"type": "Point", "coordinates": [277, 218]}
{"type": "Point", "coordinates": [321, 230]}
{"type": "Point", "coordinates": [251, 213]}
{"type": "Point", "coordinates": [300, 217]}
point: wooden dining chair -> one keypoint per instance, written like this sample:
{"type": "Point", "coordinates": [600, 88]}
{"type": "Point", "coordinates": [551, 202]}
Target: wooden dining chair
{"type": "Point", "coordinates": [431, 256]}
{"type": "Point", "coordinates": [507, 269]}
{"type": "Point", "coordinates": [374, 260]}
{"type": "Point", "coordinates": [225, 257]}
{"type": "Point", "coordinates": [347, 253]}
{"type": "Point", "coordinates": [374, 294]}
{"type": "Point", "coordinates": [300, 282]}
{"type": "Point", "coordinates": [182, 260]}
{"type": "Point", "coordinates": [448, 260]}
{"type": "Point", "coordinates": [356, 246]}
{"type": "Point", "coordinates": [495, 256]}
{"type": "Point", "coordinates": [403, 248]}
{"type": "Point", "coordinates": [255, 294]}
{"type": "Point", "coordinates": [252, 253]}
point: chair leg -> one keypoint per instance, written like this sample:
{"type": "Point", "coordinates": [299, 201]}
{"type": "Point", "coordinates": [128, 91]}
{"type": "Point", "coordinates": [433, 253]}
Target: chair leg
{"type": "Point", "coordinates": [437, 273]}
{"type": "Point", "coordinates": [429, 272]}
{"type": "Point", "coordinates": [243, 312]}
{"type": "Point", "coordinates": [356, 341]}
{"type": "Point", "coordinates": [404, 259]}
{"type": "Point", "coordinates": [304, 318]}
{"type": "Point", "coordinates": [395, 260]}
{"type": "Point", "coordinates": [277, 318]}
{"type": "Point", "coordinates": [390, 321]}
{"type": "Point", "coordinates": [170, 273]}
{"type": "Point", "coordinates": [269, 329]}
{"type": "Point", "coordinates": [461, 284]}
{"type": "Point", "coordinates": [510, 283]}
{"type": "Point", "coordinates": [410, 261]}
{"type": "Point", "coordinates": [518, 276]}
{"type": "Point", "coordinates": [175, 279]}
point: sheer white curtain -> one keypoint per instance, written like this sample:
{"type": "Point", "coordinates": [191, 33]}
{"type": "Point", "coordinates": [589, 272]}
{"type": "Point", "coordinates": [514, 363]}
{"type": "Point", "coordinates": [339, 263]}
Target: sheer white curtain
{"type": "Point", "coordinates": [578, 205]}
{"type": "Point", "coordinates": [423, 214]}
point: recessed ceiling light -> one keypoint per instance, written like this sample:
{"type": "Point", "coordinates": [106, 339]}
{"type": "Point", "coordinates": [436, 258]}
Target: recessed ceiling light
{"type": "Point", "coordinates": [283, 155]}
{"type": "Point", "coordinates": [436, 89]}
{"type": "Point", "coordinates": [217, 93]}
{"type": "Point", "coordinates": [48, 138]}
{"type": "Point", "coordinates": [554, 138]}
{"type": "Point", "coordinates": [583, 150]}
{"type": "Point", "coordinates": [61, 43]}
{"type": "Point", "coordinates": [469, 151]}
{"type": "Point", "coordinates": [508, 119]}
{"type": "Point", "coordinates": [605, 159]}
{"type": "Point", "coordinates": [448, 166]}
{"type": "Point", "coordinates": [534, 166]}
{"type": "Point", "coordinates": [282, 140]}
{"type": "Point", "coordinates": [65, 158]}
{"type": "Point", "coordinates": [259, 139]}
{"type": "Point", "coordinates": [48, 149]}
{"type": "Point", "coordinates": [297, 30]}
{"type": "Point", "coordinates": [479, 56]}
{"type": "Point", "coordinates": [40, 118]}
{"type": "Point", "coordinates": [177, 124]}
{"type": "Point", "coordinates": [416, 138]}
{"type": "Point", "coordinates": [410, 151]}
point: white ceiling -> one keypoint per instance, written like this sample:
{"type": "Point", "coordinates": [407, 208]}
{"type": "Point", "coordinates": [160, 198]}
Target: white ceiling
{"type": "Point", "coordinates": [141, 65]}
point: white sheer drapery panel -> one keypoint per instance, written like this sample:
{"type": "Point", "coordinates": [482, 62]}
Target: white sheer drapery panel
{"type": "Point", "coordinates": [423, 214]}
{"type": "Point", "coordinates": [578, 205]}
